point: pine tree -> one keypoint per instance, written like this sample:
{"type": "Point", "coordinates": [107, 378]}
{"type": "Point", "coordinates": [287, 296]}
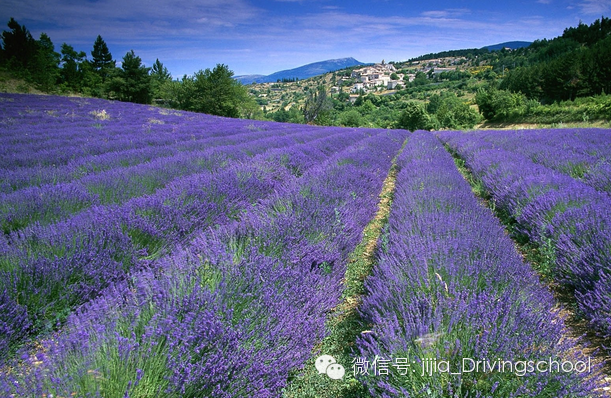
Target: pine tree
{"type": "Point", "coordinates": [159, 72]}
{"type": "Point", "coordinates": [317, 106]}
{"type": "Point", "coordinates": [72, 70]}
{"type": "Point", "coordinates": [132, 82]}
{"type": "Point", "coordinates": [34, 60]}
{"type": "Point", "coordinates": [44, 65]}
{"type": "Point", "coordinates": [102, 61]}
{"type": "Point", "coordinates": [18, 45]}
{"type": "Point", "coordinates": [160, 79]}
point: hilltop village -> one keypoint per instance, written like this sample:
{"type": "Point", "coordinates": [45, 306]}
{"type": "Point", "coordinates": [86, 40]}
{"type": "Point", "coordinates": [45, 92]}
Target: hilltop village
{"type": "Point", "coordinates": [381, 78]}
{"type": "Point", "coordinates": [386, 76]}
{"type": "Point", "coordinates": [381, 74]}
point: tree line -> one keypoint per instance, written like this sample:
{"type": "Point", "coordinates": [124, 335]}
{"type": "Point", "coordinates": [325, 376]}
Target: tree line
{"type": "Point", "coordinates": [70, 71]}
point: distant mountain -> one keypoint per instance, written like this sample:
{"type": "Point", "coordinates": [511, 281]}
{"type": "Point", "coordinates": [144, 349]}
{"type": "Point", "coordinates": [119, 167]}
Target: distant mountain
{"type": "Point", "coordinates": [247, 79]}
{"type": "Point", "coordinates": [302, 72]}
{"type": "Point", "coordinates": [510, 44]}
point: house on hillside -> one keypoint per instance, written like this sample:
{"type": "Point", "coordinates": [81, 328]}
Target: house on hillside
{"type": "Point", "coordinates": [357, 87]}
{"type": "Point", "coordinates": [392, 84]}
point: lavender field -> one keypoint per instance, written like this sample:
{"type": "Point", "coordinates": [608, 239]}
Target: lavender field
{"type": "Point", "coordinates": [147, 252]}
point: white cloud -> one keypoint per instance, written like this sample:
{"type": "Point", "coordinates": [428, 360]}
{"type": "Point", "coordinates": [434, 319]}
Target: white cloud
{"type": "Point", "coordinates": [449, 13]}
{"type": "Point", "coordinates": [595, 7]}
{"type": "Point", "coordinates": [122, 19]}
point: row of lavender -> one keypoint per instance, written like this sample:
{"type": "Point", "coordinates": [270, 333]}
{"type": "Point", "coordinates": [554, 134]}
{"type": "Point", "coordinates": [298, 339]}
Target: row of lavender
{"type": "Point", "coordinates": [569, 220]}
{"type": "Point", "coordinates": [47, 270]}
{"type": "Point", "coordinates": [234, 312]}
{"type": "Point", "coordinates": [61, 190]}
{"type": "Point", "coordinates": [52, 202]}
{"type": "Point", "coordinates": [39, 129]}
{"type": "Point", "coordinates": [38, 148]}
{"type": "Point", "coordinates": [584, 154]}
{"type": "Point", "coordinates": [77, 167]}
{"type": "Point", "coordinates": [450, 290]}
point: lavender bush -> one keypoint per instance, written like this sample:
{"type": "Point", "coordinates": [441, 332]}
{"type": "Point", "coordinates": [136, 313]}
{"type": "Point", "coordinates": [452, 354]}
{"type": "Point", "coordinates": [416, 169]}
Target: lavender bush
{"type": "Point", "coordinates": [449, 285]}
{"type": "Point", "coordinates": [568, 219]}
{"type": "Point", "coordinates": [584, 154]}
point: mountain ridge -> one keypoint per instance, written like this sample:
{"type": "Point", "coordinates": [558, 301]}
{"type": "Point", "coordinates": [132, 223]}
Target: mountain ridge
{"type": "Point", "coordinates": [301, 72]}
{"type": "Point", "coordinates": [330, 65]}
{"type": "Point", "coordinates": [509, 44]}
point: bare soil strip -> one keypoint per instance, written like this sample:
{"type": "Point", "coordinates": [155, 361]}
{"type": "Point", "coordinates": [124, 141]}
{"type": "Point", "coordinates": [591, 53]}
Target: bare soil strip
{"type": "Point", "coordinates": [343, 321]}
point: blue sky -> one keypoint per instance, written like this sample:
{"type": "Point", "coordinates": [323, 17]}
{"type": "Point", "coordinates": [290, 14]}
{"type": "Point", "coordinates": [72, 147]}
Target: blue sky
{"type": "Point", "coordinates": [262, 37]}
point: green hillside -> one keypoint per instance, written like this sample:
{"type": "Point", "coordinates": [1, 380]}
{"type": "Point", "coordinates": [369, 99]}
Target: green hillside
{"type": "Point", "coordinates": [565, 80]}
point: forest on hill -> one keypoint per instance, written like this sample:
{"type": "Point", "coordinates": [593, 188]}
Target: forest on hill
{"type": "Point", "coordinates": [565, 79]}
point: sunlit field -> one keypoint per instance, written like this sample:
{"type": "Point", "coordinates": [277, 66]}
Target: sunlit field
{"type": "Point", "coordinates": [148, 252]}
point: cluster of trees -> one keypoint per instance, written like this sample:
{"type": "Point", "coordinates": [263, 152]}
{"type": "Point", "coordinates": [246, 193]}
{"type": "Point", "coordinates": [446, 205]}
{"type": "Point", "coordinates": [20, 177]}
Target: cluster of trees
{"type": "Point", "coordinates": [551, 75]}
{"type": "Point", "coordinates": [445, 111]}
{"type": "Point", "coordinates": [506, 85]}
{"type": "Point", "coordinates": [582, 72]}
{"type": "Point", "coordinates": [573, 65]}
{"type": "Point", "coordinates": [319, 107]}
{"type": "Point", "coordinates": [506, 106]}
{"type": "Point", "coordinates": [551, 81]}
{"type": "Point", "coordinates": [468, 53]}
{"type": "Point", "coordinates": [35, 61]}
{"type": "Point", "coordinates": [214, 91]}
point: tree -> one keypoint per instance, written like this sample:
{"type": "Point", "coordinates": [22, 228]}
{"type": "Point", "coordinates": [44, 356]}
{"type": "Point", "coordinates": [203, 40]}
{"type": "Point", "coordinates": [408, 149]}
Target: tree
{"type": "Point", "coordinates": [160, 72]}
{"type": "Point", "coordinates": [453, 113]}
{"type": "Point", "coordinates": [350, 118]}
{"type": "Point", "coordinates": [317, 106]}
{"type": "Point", "coordinates": [18, 45]}
{"type": "Point", "coordinates": [177, 94]}
{"type": "Point", "coordinates": [214, 91]}
{"type": "Point", "coordinates": [247, 106]}
{"type": "Point", "coordinates": [159, 77]}
{"type": "Point", "coordinates": [498, 104]}
{"type": "Point", "coordinates": [72, 71]}
{"type": "Point", "coordinates": [44, 65]}
{"type": "Point", "coordinates": [102, 61]}
{"type": "Point", "coordinates": [34, 60]}
{"type": "Point", "coordinates": [132, 82]}
{"type": "Point", "coordinates": [414, 117]}
{"type": "Point", "coordinates": [420, 79]}
{"type": "Point", "coordinates": [291, 116]}
{"type": "Point", "coordinates": [433, 104]}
